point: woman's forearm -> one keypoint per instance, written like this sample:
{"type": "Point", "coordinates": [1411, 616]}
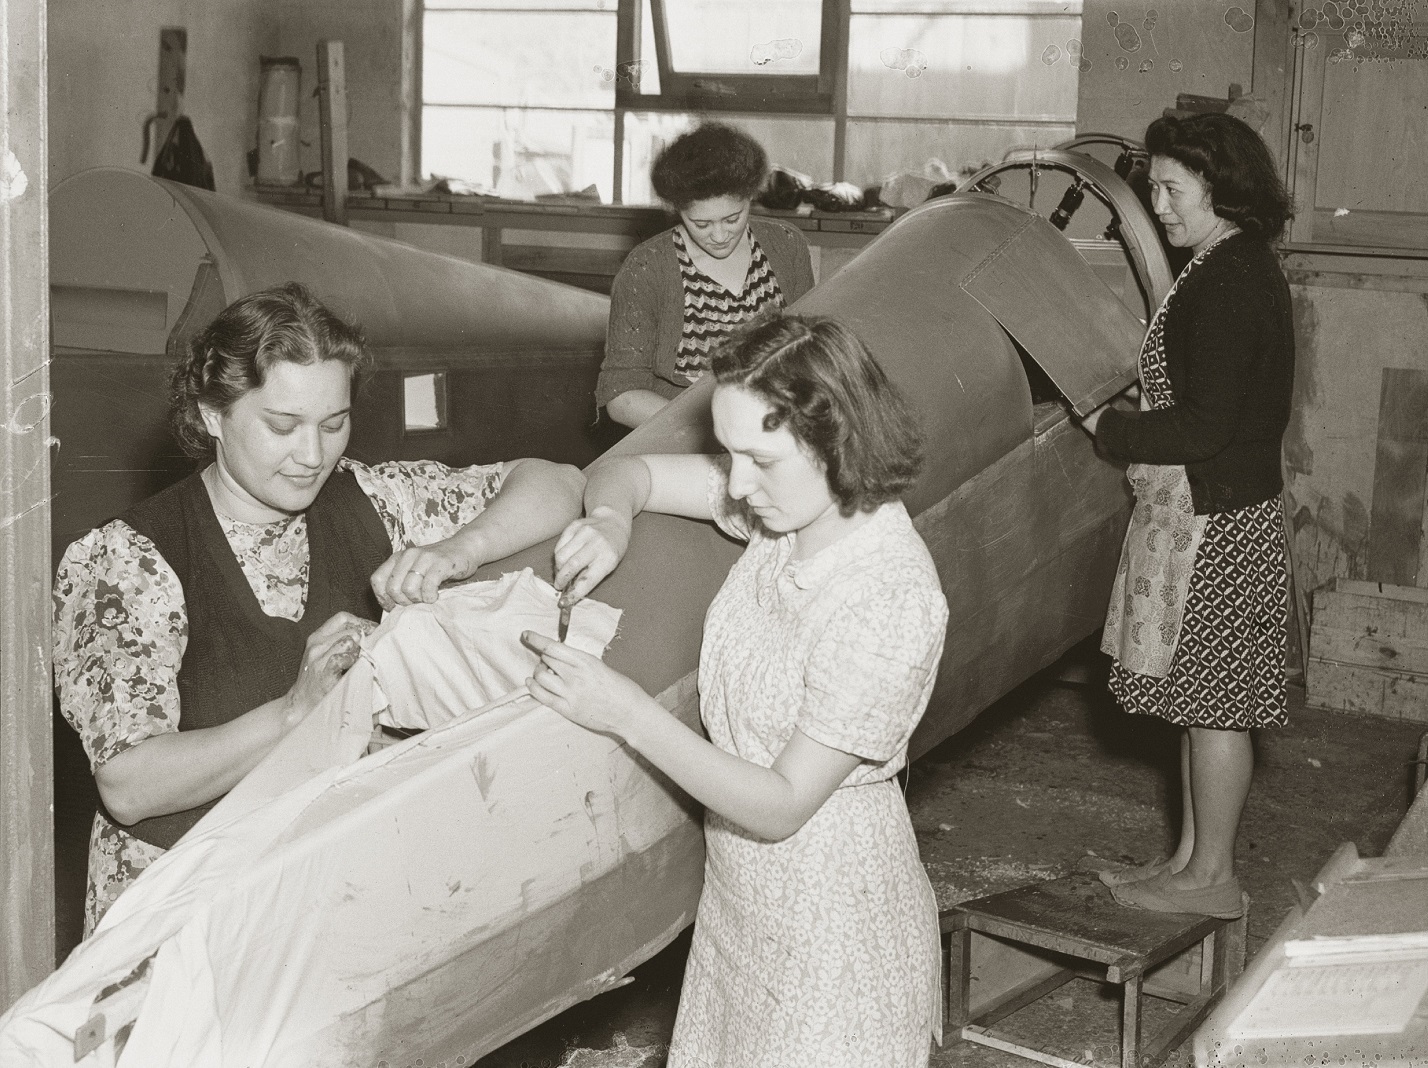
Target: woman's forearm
{"type": "Point", "coordinates": [758, 799]}
{"type": "Point", "coordinates": [634, 406]}
{"type": "Point", "coordinates": [537, 499]}
{"type": "Point", "coordinates": [182, 769]}
{"type": "Point", "coordinates": [621, 484]}
{"type": "Point", "coordinates": [771, 802]}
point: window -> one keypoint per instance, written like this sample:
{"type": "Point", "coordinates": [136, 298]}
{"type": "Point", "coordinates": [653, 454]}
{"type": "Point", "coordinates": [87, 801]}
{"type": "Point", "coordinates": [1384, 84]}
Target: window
{"type": "Point", "coordinates": [532, 97]}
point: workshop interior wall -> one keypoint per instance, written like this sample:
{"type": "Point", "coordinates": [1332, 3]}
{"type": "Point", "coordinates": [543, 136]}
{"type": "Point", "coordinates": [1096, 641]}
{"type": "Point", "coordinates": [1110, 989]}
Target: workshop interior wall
{"type": "Point", "coordinates": [1135, 58]}
{"type": "Point", "coordinates": [104, 72]}
{"type": "Point", "coordinates": [1359, 433]}
{"type": "Point", "coordinates": [103, 80]}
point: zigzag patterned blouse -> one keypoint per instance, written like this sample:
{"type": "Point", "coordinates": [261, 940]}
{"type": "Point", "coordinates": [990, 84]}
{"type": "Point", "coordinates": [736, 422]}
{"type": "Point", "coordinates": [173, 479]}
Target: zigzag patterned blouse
{"type": "Point", "coordinates": [711, 312]}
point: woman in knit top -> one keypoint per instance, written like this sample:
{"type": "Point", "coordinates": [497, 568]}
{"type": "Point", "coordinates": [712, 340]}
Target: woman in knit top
{"type": "Point", "coordinates": [682, 292]}
{"type": "Point", "coordinates": [1198, 616]}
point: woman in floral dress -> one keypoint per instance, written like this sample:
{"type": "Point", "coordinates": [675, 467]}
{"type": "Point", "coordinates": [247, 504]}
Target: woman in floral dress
{"type": "Point", "coordinates": [196, 630]}
{"type": "Point", "coordinates": [816, 938]}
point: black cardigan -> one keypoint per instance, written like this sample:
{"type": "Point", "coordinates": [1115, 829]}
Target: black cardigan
{"type": "Point", "coordinates": [1229, 351]}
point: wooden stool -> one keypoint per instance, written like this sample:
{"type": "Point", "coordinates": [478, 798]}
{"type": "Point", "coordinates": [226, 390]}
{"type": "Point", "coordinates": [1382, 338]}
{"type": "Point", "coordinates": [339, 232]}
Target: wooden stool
{"type": "Point", "coordinates": [1076, 917]}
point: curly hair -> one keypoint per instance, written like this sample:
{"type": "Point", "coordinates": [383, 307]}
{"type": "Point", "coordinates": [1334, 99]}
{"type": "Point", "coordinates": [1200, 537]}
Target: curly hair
{"type": "Point", "coordinates": [822, 383]}
{"type": "Point", "coordinates": [713, 160]}
{"type": "Point", "coordinates": [231, 357]}
{"type": "Point", "coordinates": [1234, 161]}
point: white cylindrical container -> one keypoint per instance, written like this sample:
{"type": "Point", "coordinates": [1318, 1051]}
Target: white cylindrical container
{"type": "Point", "coordinates": [278, 151]}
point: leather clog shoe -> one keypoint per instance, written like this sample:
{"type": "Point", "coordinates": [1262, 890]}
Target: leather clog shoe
{"type": "Point", "coordinates": [1123, 874]}
{"type": "Point", "coordinates": [1224, 901]}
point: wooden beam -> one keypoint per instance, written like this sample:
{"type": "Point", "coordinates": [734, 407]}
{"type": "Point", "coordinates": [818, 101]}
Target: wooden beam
{"type": "Point", "coordinates": [842, 11]}
{"type": "Point", "coordinates": [332, 117]}
{"type": "Point", "coordinates": [27, 919]}
{"type": "Point", "coordinates": [173, 71]}
{"type": "Point", "coordinates": [409, 169]}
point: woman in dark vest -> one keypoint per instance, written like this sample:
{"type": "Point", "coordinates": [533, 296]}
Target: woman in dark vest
{"type": "Point", "coordinates": [682, 292]}
{"type": "Point", "coordinates": [193, 632]}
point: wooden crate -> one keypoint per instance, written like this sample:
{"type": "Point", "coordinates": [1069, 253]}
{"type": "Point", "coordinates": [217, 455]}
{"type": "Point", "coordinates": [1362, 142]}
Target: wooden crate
{"type": "Point", "coordinates": [1368, 649]}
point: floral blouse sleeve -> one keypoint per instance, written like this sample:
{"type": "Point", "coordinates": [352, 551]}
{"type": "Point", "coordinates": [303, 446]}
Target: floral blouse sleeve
{"type": "Point", "coordinates": [119, 638]}
{"type": "Point", "coordinates": [729, 515]}
{"type": "Point", "coordinates": [423, 501]}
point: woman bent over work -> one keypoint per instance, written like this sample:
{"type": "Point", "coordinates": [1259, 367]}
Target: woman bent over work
{"type": "Point", "coordinates": [193, 632]}
{"type": "Point", "coordinates": [682, 292]}
{"type": "Point", "coordinates": [1198, 616]}
{"type": "Point", "coordinates": [816, 939]}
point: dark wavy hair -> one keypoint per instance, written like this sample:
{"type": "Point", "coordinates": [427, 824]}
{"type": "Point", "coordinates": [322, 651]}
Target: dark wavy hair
{"type": "Point", "coordinates": [1234, 161]}
{"type": "Point", "coordinates": [232, 356]}
{"type": "Point", "coordinates": [713, 160]}
{"type": "Point", "coordinates": [822, 384]}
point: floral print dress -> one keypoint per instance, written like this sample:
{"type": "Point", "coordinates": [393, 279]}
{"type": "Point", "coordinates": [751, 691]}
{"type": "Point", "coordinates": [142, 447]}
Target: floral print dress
{"type": "Point", "coordinates": [121, 626]}
{"type": "Point", "coordinates": [820, 950]}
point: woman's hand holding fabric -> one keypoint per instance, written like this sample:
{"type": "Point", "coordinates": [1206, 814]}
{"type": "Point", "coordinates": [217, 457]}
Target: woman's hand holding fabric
{"type": "Point", "coordinates": [588, 550]}
{"type": "Point", "coordinates": [583, 689]}
{"type": "Point", "coordinates": [414, 575]}
{"type": "Point", "coordinates": [332, 649]}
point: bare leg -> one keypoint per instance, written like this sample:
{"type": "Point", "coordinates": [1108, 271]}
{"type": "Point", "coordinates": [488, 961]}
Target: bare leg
{"type": "Point", "coordinates": [1181, 856]}
{"type": "Point", "coordinates": [1221, 766]}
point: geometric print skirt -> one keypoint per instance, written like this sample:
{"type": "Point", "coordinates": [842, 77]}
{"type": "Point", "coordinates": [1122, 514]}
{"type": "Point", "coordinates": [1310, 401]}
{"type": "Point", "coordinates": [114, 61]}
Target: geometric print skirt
{"type": "Point", "coordinates": [1228, 672]}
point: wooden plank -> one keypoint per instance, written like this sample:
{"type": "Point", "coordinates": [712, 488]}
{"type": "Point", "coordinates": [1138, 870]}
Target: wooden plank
{"type": "Point", "coordinates": [409, 165]}
{"type": "Point", "coordinates": [1371, 691]}
{"type": "Point", "coordinates": [1306, 109]}
{"type": "Point", "coordinates": [1378, 229]}
{"type": "Point", "coordinates": [1273, 72]}
{"type": "Point", "coordinates": [1372, 625]}
{"type": "Point", "coordinates": [332, 117]}
{"type": "Point", "coordinates": [27, 923]}
{"type": "Point", "coordinates": [1400, 480]}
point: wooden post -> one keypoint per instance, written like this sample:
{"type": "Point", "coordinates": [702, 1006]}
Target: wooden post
{"type": "Point", "coordinates": [173, 67]}
{"type": "Point", "coordinates": [332, 115]}
{"type": "Point", "coordinates": [409, 168]}
{"type": "Point", "coordinates": [844, 15]}
{"type": "Point", "coordinates": [27, 895]}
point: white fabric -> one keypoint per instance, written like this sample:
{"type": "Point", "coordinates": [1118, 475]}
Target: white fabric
{"type": "Point", "coordinates": [326, 879]}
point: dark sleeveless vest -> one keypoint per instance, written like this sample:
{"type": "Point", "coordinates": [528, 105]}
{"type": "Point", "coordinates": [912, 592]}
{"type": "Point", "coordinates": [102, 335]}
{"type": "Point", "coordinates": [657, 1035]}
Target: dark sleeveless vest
{"type": "Point", "coordinates": [237, 657]}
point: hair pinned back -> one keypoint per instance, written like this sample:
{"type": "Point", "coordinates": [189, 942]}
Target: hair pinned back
{"type": "Point", "coordinates": [232, 356]}
{"type": "Point", "coordinates": [821, 382]}
{"type": "Point", "coordinates": [1235, 163]}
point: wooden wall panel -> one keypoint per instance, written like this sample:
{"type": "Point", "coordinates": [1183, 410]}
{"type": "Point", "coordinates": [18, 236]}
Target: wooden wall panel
{"type": "Point", "coordinates": [27, 928]}
{"type": "Point", "coordinates": [1373, 111]}
{"type": "Point", "coordinates": [1400, 476]}
{"type": "Point", "coordinates": [1346, 339]}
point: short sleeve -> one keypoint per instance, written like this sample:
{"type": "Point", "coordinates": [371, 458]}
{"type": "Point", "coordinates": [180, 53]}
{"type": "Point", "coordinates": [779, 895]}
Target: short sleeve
{"type": "Point", "coordinates": [729, 515]}
{"type": "Point", "coordinates": [423, 501]}
{"type": "Point", "coordinates": [870, 674]}
{"type": "Point", "coordinates": [120, 633]}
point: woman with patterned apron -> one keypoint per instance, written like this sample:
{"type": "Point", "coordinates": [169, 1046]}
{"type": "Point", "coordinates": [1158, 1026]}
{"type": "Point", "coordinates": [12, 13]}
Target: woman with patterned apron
{"type": "Point", "coordinates": [198, 628]}
{"type": "Point", "coordinates": [683, 291]}
{"type": "Point", "coordinates": [1198, 616]}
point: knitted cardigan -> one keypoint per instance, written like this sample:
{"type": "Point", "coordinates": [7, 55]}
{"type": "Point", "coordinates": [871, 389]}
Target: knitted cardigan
{"type": "Point", "coordinates": [1229, 355]}
{"type": "Point", "coordinates": [647, 308]}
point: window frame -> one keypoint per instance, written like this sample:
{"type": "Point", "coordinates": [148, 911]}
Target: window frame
{"type": "Point", "coordinates": [756, 93]}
